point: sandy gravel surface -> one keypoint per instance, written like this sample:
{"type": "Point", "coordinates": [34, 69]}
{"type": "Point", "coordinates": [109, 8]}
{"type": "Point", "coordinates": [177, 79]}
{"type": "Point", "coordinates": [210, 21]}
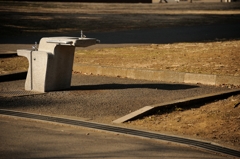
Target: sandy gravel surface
{"type": "Point", "coordinates": [101, 98]}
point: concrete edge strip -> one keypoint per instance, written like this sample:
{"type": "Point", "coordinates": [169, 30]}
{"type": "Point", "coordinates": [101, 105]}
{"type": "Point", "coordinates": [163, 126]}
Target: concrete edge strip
{"type": "Point", "coordinates": [145, 74]}
{"type": "Point", "coordinates": [157, 75]}
{"type": "Point", "coordinates": [192, 100]}
{"type": "Point", "coordinates": [133, 114]}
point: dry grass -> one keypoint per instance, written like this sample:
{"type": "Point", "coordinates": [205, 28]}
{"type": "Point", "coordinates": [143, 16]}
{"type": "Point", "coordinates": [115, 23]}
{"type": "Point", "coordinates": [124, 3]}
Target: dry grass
{"type": "Point", "coordinates": [221, 58]}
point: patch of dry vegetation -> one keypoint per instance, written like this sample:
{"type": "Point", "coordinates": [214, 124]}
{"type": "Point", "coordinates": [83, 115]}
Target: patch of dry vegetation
{"type": "Point", "coordinates": [13, 64]}
{"type": "Point", "coordinates": [221, 58]}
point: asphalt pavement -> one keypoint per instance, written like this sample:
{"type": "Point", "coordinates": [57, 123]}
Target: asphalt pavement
{"type": "Point", "coordinates": [174, 34]}
{"type": "Point", "coordinates": [21, 138]}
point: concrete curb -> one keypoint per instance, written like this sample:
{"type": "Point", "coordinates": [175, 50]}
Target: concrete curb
{"type": "Point", "coordinates": [157, 75]}
{"type": "Point", "coordinates": [188, 101]}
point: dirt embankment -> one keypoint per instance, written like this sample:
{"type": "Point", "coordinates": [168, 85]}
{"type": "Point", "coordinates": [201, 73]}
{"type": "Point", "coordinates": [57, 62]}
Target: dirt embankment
{"type": "Point", "coordinates": [218, 122]}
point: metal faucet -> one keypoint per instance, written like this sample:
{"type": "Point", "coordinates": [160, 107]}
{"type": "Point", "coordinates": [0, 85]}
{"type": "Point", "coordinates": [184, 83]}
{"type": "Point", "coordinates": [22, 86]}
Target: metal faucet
{"type": "Point", "coordinates": [35, 47]}
{"type": "Point", "coordinates": [82, 35]}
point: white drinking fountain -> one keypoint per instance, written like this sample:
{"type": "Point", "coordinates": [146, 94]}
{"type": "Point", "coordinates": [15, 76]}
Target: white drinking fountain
{"type": "Point", "coordinates": [50, 65]}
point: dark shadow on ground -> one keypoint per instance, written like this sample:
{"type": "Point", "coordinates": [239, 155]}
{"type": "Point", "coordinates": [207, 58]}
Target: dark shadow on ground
{"type": "Point", "coordinates": [3, 55]}
{"type": "Point", "coordinates": [130, 86]}
{"type": "Point", "coordinates": [13, 76]}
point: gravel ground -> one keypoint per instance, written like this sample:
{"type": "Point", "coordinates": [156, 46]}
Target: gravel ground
{"type": "Point", "coordinates": [100, 98]}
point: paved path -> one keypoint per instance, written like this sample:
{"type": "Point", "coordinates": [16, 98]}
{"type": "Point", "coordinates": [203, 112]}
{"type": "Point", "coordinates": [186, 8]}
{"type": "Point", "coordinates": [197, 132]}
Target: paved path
{"type": "Point", "coordinates": [139, 37]}
{"type": "Point", "coordinates": [30, 139]}
{"type": "Point", "coordinates": [171, 34]}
